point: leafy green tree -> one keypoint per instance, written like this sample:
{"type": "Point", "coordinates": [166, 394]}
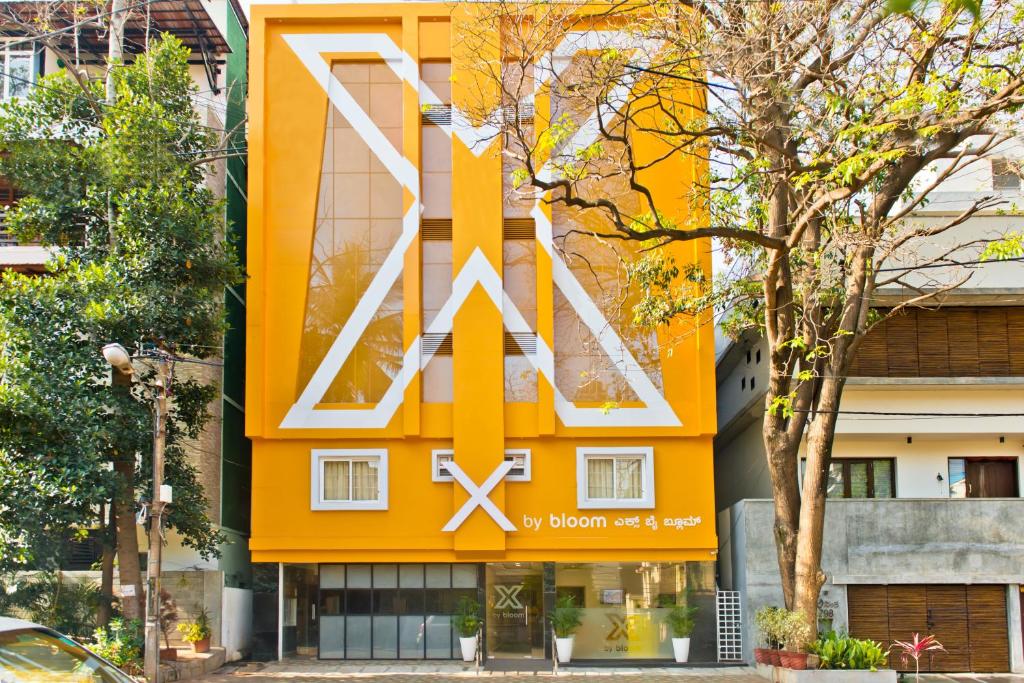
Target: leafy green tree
{"type": "Point", "coordinates": [117, 190]}
{"type": "Point", "coordinates": [816, 131]}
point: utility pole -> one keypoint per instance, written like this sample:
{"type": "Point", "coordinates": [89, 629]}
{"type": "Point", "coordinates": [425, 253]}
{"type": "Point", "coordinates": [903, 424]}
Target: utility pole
{"type": "Point", "coordinates": [161, 386]}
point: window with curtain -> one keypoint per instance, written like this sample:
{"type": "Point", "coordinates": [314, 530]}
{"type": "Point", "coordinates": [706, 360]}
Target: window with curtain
{"type": "Point", "coordinates": [860, 478]}
{"type": "Point", "coordinates": [349, 480]}
{"type": "Point", "coordinates": [612, 477]}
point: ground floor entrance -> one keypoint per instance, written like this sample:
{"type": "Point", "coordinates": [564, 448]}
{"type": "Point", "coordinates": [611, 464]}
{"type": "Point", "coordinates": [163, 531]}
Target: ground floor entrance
{"type": "Point", "coordinates": [970, 622]}
{"type": "Point", "coordinates": [393, 611]}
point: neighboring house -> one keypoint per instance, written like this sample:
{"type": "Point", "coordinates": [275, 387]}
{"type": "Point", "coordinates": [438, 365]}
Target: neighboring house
{"type": "Point", "coordinates": [441, 405]}
{"type": "Point", "coordinates": [923, 523]}
{"type": "Point", "coordinates": [217, 33]}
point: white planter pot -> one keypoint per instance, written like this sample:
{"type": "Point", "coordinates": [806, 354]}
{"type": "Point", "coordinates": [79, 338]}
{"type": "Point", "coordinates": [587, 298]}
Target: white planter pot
{"type": "Point", "coordinates": [468, 646]}
{"type": "Point", "coordinates": [681, 649]}
{"type": "Point", "coordinates": [564, 648]}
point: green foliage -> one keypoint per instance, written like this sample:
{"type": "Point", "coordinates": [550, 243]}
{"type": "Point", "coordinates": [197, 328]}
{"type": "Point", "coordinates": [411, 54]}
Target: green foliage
{"type": "Point", "coordinates": [1010, 247]}
{"type": "Point", "coordinates": [770, 621]}
{"type": "Point", "coordinates": [566, 617]}
{"type": "Point", "coordinates": [52, 599]}
{"type": "Point", "coordinates": [840, 651]}
{"type": "Point", "coordinates": [118, 193]}
{"type": "Point", "coordinates": [681, 620]}
{"type": "Point", "coordinates": [466, 619]}
{"type": "Point", "coordinates": [120, 644]}
{"type": "Point", "coordinates": [197, 629]}
{"type": "Point", "coordinates": [794, 631]}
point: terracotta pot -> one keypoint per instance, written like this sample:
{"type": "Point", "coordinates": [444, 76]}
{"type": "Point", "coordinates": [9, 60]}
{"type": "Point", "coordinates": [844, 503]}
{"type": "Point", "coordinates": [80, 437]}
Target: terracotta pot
{"type": "Point", "coordinates": [168, 654]}
{"type": "Point", "coordinates": [794, 660]}
{"type": "Point", "coordinates": [774, 658]}
{"type": "Point", "coordinates": [201, 646]}
{"type": "Point", "coordinates": [761, 655]}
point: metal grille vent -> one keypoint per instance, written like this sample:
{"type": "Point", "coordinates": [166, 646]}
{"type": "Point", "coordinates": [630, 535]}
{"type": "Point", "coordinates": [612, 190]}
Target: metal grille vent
{"type": "Point", "coordinates": [436, 228]}
{"type": "Point", "coordinates": [437, 114]}
{"type": "Point", "coordinates": [436, 344]}
{"type": "Point", "coordinates": [729, 617]}
{"type": "Point", "coordinates": [520, 344]}
{"type": "Point", "coordinates": [518, 228]}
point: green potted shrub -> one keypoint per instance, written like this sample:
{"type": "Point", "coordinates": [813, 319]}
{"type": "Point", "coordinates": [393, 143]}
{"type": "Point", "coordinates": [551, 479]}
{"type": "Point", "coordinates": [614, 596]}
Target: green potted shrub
{"type": "Point", "coordinates": [768, 621]}
{"type": "Point", "coordinates": [794, 632]}
{"type": "Point", "coordinates": [565, 619]}
{"type": "Point", "coordinates": [467, 622]}
{"type": "Point", "coordinates": [681, 621]}
{"type": "Point", "coordinates": [197, 632]}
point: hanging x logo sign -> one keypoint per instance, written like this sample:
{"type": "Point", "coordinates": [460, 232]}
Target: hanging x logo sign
{"type": "Point", "coordinates": [478, 496]}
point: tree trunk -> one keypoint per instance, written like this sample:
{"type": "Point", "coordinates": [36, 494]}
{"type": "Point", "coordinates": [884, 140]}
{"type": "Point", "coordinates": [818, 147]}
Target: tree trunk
{"type": "Point", "coordinates": [781, 455]}
{"type": "Point", "coordinates": [109, 540]}
{"type": "Point", "coordinates": [128, 541]}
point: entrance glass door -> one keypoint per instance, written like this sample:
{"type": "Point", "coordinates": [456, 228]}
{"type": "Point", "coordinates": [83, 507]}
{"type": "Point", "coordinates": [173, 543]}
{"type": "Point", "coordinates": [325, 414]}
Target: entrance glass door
{"type": "Point", "coordinates": [515, 610]}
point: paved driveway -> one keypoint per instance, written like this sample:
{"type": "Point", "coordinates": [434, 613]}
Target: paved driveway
{"type": "Point", "coordinates": [326, 672]}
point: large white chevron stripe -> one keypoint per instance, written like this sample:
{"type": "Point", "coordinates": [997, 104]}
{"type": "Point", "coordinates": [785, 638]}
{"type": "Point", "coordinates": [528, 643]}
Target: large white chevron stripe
{"type": "Point", "coordinates": [476, 271]}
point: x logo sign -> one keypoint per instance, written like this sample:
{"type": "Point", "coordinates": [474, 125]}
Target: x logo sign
{"type": "Point", "coordinates": [478, 496]}
{"type": "Point", "coordinates": [508, 597]}
{"type": "Point", "coordinates": [620, 627]}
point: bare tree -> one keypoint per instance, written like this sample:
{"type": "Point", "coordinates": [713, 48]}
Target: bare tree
{"type": "Point", "coordinates": [821, 126]}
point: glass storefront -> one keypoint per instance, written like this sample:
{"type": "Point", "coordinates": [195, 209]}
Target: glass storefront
{"type": "Point", "coordinates": [403, 611]}
{"type": "Point", "coordinates": [392, 611]}
{"type": "Point", "coordinates": [625, 605]}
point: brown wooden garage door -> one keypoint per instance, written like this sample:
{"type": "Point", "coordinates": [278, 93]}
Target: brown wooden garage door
{"type": "Point", "coordinates": [969, 621]}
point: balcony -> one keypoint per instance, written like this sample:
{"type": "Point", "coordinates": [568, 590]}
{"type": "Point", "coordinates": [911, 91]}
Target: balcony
{"type": "Point", "coordinates": [894, 540]}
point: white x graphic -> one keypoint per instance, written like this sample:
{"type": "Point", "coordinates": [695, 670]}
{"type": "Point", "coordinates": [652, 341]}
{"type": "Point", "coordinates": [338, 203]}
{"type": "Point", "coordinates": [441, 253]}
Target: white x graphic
{"type": "Point", "coordinates": [478, 496]}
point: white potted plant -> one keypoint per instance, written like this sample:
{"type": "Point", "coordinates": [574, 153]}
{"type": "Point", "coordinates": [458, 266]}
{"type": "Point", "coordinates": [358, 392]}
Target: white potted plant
{"type": "Point", "coordinates": [680, 621]}
{"type": "Point", "coordinates": [565, 619]}
{"type": "Point", "coordinates": [467, 622]}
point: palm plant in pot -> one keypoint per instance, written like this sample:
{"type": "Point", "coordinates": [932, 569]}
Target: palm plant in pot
{"type": "Point", "coordinates": [466, 621]}
{"type": "Point", "coordinates": [565, 619]}
{"type": "Point", "coordinates": [681, 621]}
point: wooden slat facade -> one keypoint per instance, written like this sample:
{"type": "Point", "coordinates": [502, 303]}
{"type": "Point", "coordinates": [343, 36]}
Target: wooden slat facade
{"type": "Point", "coordinates": [969, 621]}
{"type": "Point", "coordinates": [960, 341]}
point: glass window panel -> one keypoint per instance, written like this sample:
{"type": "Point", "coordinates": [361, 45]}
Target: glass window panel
{"type": "Point", "coordinates": [410, 601]}
{"type": "Point", "coordinates": [957, 478]}
{"type": "Point", "coordinates": [358, 601]}
{"type": "Point", "coordinates": [385, 637]}
{"type": "Point", "coordinates": [357, 642]}
{"type": "Point", "coordinates": [882, 470]}
{"type": "Point", "coordinates": [439, 601]}
{"type": "Point", "coordinates": [436, 276]}
{"type": "Point", "coordinates": [364, 479]}
{"type": "Point", "coordinates": [385, 576]}
{"type": "Point", "coordinates": [359, 576]}
{"type": "Point", "coordinates": [20, 74]}
{"type": "Point", "coordinates": [336, 479]}
{"type": "Point", "coordinates": [628, 478]}
{"type": "Point", "coordinates": [332, 601]}
{"type": "Point", "coordinates": [410, 576]}
{"type": "Point", "coordinates": [439, 636]}
{"type": "Point", "coordinates": [600, 478]}
{"type": "Point", "coordinates": [439, 576]}
{"type": "Point", "coordinates": [858, 479]}
{"type": "Point", "coordinates": [385, 601]}
{"type": "Point", "coordinates": [835, 480]}
{"type": "Point", "coordinates": [332, 637]}
{"type": "Point", "coordinates": [410, 637]}
{"type": "Point", "coordinates": [464, 575]}
{"type": "Point", "coordinates": [437, 380]}
{"type": "Point", "coordinates": [332, 576]}
{"type": "Point", "coordinates": [520, 380]}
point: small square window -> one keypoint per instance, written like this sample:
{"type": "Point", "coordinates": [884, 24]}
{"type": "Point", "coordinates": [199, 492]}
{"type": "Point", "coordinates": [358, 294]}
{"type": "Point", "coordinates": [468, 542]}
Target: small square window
{"type": "Point", "coordinates": [614, 478]}
{"type": "Point", "coordinates": [346, 479]}
{"type": "Point", "coordinates": [520, 458]}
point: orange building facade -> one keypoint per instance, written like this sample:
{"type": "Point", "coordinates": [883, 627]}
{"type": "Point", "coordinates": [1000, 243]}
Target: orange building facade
{"type": "Point", "coordinates": [446, 406]}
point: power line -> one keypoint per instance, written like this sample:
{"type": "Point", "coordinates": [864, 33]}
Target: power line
{"type": "Point", "coordinates": [881, 413]}
{"type": "Point", "coordinates": [950, 264]}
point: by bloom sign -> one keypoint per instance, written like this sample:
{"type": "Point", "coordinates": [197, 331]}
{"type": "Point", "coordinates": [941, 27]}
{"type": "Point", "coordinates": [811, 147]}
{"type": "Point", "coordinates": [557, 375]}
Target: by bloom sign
{"type": "Point", "coordinates": [566, 521]}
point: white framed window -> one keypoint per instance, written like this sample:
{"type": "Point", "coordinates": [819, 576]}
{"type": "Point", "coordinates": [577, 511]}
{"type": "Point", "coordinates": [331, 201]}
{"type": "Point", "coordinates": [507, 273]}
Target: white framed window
{"type": "Point", "coordinates": [349, 479]}
{"type": "Point", "coordinates": [18, 74]}
{"type": "Point", "coordinates": [614, 478]}
{"type": "Point", "coordinates": [519, 456]}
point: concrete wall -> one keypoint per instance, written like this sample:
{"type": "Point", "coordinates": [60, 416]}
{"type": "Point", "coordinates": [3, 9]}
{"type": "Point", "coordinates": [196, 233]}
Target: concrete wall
{"type": "Point", "coordinates": [741, 470]}
{"type": "Point", "coordinates": [236, 629]}
{"type": "Point", "coordinates": [883, 541]}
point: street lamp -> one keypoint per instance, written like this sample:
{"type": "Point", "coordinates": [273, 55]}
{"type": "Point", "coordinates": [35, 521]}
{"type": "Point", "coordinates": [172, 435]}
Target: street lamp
{"type": "Point", "coordinates": [121, 360]}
